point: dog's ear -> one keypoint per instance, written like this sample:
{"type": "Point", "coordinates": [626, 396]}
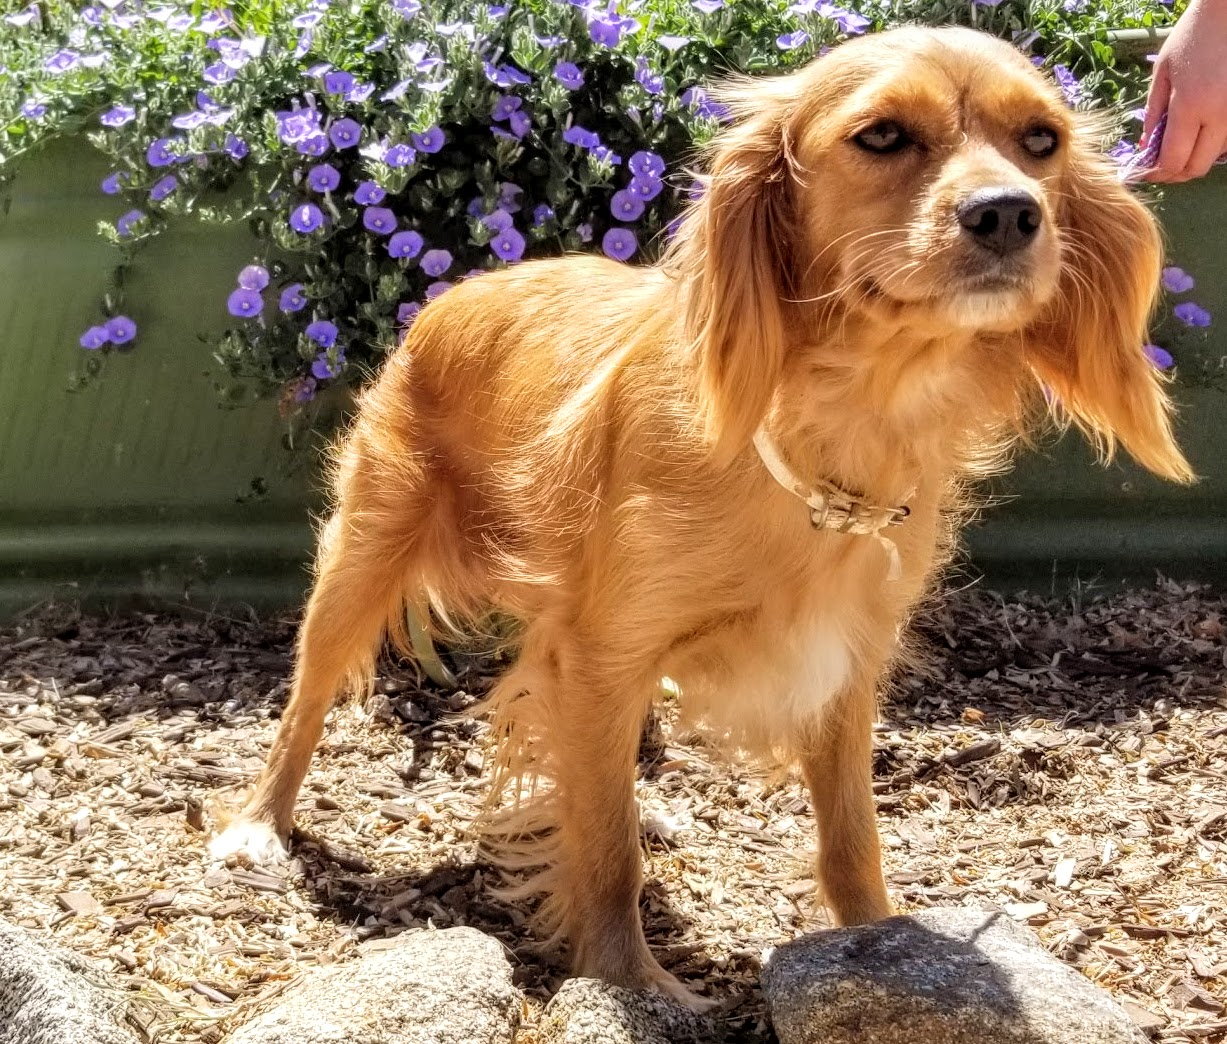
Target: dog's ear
{"type": "Point", "coordinates": [1088, 350]}
{"type": "Point", "coordinates": [730, 253]}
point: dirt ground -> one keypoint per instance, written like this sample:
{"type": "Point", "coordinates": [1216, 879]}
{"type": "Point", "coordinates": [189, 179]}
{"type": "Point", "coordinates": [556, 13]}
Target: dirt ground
{"type": "Point", "coordinates": [1061, 760]}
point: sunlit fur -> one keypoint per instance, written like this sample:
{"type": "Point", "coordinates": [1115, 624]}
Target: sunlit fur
{"type": "Point", "coordinates": [568, 441]}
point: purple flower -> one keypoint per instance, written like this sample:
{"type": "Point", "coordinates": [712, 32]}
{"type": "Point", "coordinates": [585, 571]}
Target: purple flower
{"type": "Point", "coordinates": [672, 43]}
{"type": "Point", "coordinates": [379, 220]}
{"type": "Point", "coordinates": [292, 298]}
{"type": "Point", "coordinates": [61, 61]}
{"type": "Point", "coordinates": [117, 116]}
{"type": "Point", "coordinates": [125, 223]}
{"type": "Point", "coordinates": [324, 368]}
{"type": "Point", "coordinates": [407, 312]}
{"type": "Point", "coordinates": [306, 218]}
{"type": "Point", "coordinates": [578, 136]}
{"type": "Point", "coordinates": [569, 75]}
{"type": "Point", "coordinates": [620, 244]}
{"type": "Point", "coordinates": [338, 82]}
{"type": "Point", "coordinates": [1159, 356]}
{"type": "Point", "coordinates": [314, 145]}
{"type": "Point", "coordinates": [505, 75]}
{"type": "Point", "coordinates": [498, 221]}
{"type": "Point", "coordinates": [520, 123]}
{"type": "Point", "coordinates": [541, 214]}
{"type": "Point", "coordinates": [323, 333]}
{"type": "Point", "coordinates": [437, 288]}
{"type": "Point", "coordinates": [1191, 314]}
{"type": "Point", "coordinates": [405, 244]}
{"type": "Point", "coordinates": [368, 193]}
{"type": "Point", "coordinates": [112, 184]}
{"type": "Point", "coordinates": [307, 20]}
{"type": "Point", "coordinates": [303, 389]}
{"type": "Point", "coordinates": [121, 329]}
{"type": "Point", "coordinates": [295, 125]}
{"type": "Point", "coordinates": [509, 197]}
{"type": "Point", "coordinates": [95, 337]}
{"type": "Point", "coordinates": [406, 8]}
{"type": "Point", "coordinates": [646, 189]}
{"type": "Point", "coordinates": [253, 277]}
{"type": "Point", "coordinates": [26, 17]}
{"type": "Point", "coordinates": [246, 304]}
{"type": "Point", "coordinates": [504, 106]}
{"type": "Point", "coordinates": [549, 42]}
{"type": "Point", "coordinates": [1177, 280]}
{"type": "Point", "coordinates": [323, 177]}
{"type": "Point", "coordinates": [789, 41]}
{"type": "Point", "coordinates": [235, 148]}
{"type": "Point", "coordinates": [218, 73]}
{"type": "Point", "coordinates": [697, 99]}
{"type": "Point", "coordinates": [625, 206]}
{"type": "Point", "coordinates": [606, 155]}
{"type": "Point", "coordinates": [646, 165]}
{"type": "Point", "coordinates": [585, 232]}
{"type": "Point", "coordinates": [607, 29]}
{"type": "Point", "coordinates": [508, 245]}
{"type": "Point", "coordinates": [707, 6]}
{"type": "Point", "coordinates": [1068, 82]}
{"type": "Point", "coordinates": [163, 188]}
{"type": "Point", "coordinates": [159, 153]}
{"type": "Point", "coordinates": [188, 120]}
{"type": "Point", "coordinates": [430, 141]}
{"type": "Point", "coordinates": [399, 155]}
{"type": "Point", "coordinates": [34, 110]}
{"type": "Point", "coordinates": [852, 23]}
{"type": "Point", "coordinates": [653, 83]}
{"type": "Point", "coordinates": [436, 262]}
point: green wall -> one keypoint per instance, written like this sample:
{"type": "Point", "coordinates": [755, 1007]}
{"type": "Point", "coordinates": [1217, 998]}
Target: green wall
{"type": "Point", "coordinates": [139, 484]}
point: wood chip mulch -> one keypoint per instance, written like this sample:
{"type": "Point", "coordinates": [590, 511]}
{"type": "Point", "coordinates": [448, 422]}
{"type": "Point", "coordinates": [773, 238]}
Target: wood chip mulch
{"type": "Point", "coordinates": [1065, 761]}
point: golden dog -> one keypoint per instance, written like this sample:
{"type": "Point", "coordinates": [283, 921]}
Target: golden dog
{"type": "Point", "coordinates": [737, 468]}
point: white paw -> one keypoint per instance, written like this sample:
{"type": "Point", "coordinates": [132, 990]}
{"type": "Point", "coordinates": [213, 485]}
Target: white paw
{"type": "Point", "coordinates": [248, 841]}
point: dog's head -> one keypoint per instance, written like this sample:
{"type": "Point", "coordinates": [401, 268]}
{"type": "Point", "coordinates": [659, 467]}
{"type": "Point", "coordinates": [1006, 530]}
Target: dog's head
{"type": "Point", "coordinates": [931, 181]}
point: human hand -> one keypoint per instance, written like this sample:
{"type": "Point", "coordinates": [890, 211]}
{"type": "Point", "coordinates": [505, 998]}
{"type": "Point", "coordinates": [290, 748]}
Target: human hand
{"type": "Point", "coordinates": [1190, 85]}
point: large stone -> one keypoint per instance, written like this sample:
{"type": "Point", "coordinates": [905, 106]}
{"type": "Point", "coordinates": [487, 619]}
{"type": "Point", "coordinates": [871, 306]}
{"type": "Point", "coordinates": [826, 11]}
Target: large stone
{"type": "Point", "coordinates": [944, 976]}
{"type": "Point", "coordinates": [588, 1011]}
{"type": "Point", "coordinates": [50, 996]}
{"type": "Point", "coordinates": [428, 987]}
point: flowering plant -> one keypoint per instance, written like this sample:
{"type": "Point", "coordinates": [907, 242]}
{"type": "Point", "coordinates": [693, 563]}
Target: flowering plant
{"type": "Point", "coordinates": [383, 149]}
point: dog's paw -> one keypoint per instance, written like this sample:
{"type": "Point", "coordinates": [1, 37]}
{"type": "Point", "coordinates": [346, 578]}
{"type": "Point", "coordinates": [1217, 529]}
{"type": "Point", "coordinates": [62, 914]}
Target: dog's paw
{"type": "Point", "coordinates": [672, 988]}
{"type": "Point", "coordinates": [248, 841]}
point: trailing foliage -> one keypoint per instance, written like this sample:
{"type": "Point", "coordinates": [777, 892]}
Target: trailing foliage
{"type": "Point", "coordinates": [382, 149]}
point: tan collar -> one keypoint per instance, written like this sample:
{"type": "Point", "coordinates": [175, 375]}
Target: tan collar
{"type": "Point", "coordinates": [831, 506]}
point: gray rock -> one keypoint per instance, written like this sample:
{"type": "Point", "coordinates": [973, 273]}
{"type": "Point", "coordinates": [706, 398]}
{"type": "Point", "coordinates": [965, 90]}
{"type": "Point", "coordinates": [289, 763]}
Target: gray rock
{"type": "Point", "coordinates": [588, 1011]}
{"type": "Point", "coordinates": [50, 996]}
{"type": "Point", "coordinates": [944, 976]}
{"type": "Point", "coordinates": [426, 987]}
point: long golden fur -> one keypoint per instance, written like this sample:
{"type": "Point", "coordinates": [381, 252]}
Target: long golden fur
{"type": "Point", "coordinates": [570, 442]}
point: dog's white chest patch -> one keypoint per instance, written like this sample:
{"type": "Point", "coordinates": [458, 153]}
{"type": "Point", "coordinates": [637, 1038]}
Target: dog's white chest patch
{"type": "Point", "coordinates": [815, 666]}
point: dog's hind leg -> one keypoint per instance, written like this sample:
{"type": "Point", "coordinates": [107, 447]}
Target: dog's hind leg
{"type": "Point", "coordinates": [586, 711]}
{"type": "Point", "coordinates": [358, 592]}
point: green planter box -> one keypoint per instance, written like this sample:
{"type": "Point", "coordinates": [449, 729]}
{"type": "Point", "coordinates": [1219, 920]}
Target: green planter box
{"type": "Point", "coordinates": [133, 485]}
{"type": "Point", "coordinates": [139, 485]}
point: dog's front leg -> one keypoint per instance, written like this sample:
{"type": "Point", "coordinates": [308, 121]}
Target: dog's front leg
{"type": "Point", "coordinates": [837, 760]}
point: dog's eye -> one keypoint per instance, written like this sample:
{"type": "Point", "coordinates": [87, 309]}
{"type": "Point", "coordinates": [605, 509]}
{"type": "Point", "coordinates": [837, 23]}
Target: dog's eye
{"type": "Point", "coordinates": [1040, 142]}
{"type": "Point", "coordinates": [883, 137]}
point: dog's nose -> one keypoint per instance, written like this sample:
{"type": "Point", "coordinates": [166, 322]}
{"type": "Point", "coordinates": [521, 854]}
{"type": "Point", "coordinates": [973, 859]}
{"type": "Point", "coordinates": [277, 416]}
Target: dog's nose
{"type": "Point", "coordinates": [1002, 219]}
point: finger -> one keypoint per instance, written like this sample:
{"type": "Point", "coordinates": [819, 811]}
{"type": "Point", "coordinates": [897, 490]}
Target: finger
{"type": "Point", "coordinates": [1208, 148]}
{"type": "Point", "coordinates": [1179, 139]}
{"type": "Point", "coordinates": [1156, 101]}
